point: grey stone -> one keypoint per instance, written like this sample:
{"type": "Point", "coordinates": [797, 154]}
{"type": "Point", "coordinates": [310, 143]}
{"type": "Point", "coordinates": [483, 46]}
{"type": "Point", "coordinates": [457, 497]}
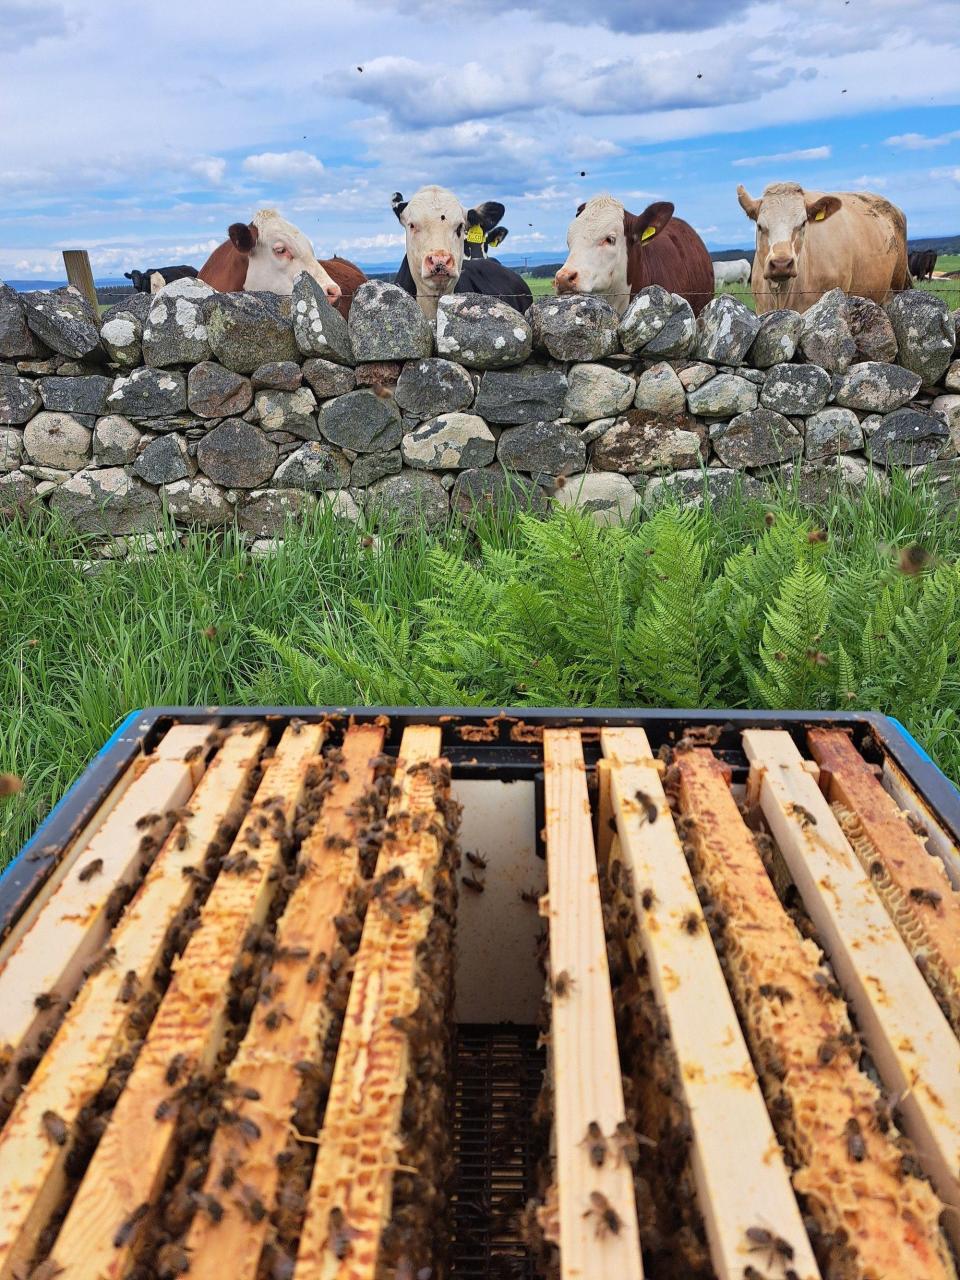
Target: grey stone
{"type": "Point", "coordinates": [186, 423]}
{"type": "Point", "coordinates": [825, 336]}
{"type": "Point", "coordinates": [873, 334]}
{"type": "Point", "coordinates": [291, 411]}
{"type": "Point", "coordinates": [115, 441]}
{"type": "Point", "coordinates": [216, 392]}
{"type": "Point", "coordinates": [596, 391]}
{"type": "Point", "coordinates": [723, 396]}
{"type": "Point", "coordinates": [76, 395]}
{"type": "Point", "coordinates": [107, 501]}
{"type": "Point", "coordinates": [246, 330]}
{"type": "Point", "coordinates": [542, 449]}
{"type": "Point", "coordinates": [875, 387]}
{"type": "Point", "coordinates": [57, 440]}
{"type": "Point", "coordinates": [411, 498]}
{"type": "Point", "coordinates": [64, 320]}
{"type": "Point", "coordinates": [646, 315]}
{"type": "Point", "coordinates": [430, 387]}
{"type": "Point", "coordinates": [609, 498]}
{"type": "Point", "coordinates": [277, 375]}
{"type": "Point", "coordinates": [36, 368]}
{"type": "Point", "coordinates": [576, 326]}
{"type": "Point", "coordinates": [148, 393]}
{"type": "Point", "coordinates": [755, 439]}
{"type": "Point", "coordinates": [818, 482]}
{"type": "Point", "coordinates": [374, 466]}
{"type": "Point", "coordinates": [951, 379]}
{"type": "Point", "coordinates": [725, 331]}
{"type": "Point", "coordinates": [481, 332]}
{"type": "Point", "coordinates": [776, 339]}
{"type": "Point", "coordinates": [121, 336]}
{"type": "Point", "coordinates": [690, 487]}
{"type": "Point", "coordinates": [175, 331]}
{"type": "Point", "coordinates": [678, 337]}
{"type": "Point", "coordinates": [11, 449]}
{"type": "Point", "coordinates": [529, 394]}
{"type": "Point", "coordinates": [342, 503]}
{"type": "Point", "coordinates": [660, 389]}
{"type": "Point", "coordinates": [164, 460]}
{"type": "Point", "coordinates": [196, 501]}
{"type": "Point", "coordinates": [328, 379]}
{"type": "Point", "coordinates": [482, 490]}
{"type": "Point", "coordinates": [943, 477]}
{"type": "Point", "coordinates": [691, 375]}
{"type": "Point", "coordinates": [18, 494]}
{"type": "Point", "coordinates": [925, 333]}
{"type": "Point", "coordinates": [832, 431]}
{"type": "Point", "coordinates": [263, 548]}
{"type": "Point", "coordinates": [596, 429]}
{"type": "Point", "coordinates": [237, 455]}
{"type": "Point", "coordinates": [796, 389]}
{"type": "Point", "coordinates": [135, 304]}
{"type": "Point", "coordinates": [642, 441]}
{"type": "Point", "coordinates": [19, 399]}
{"type": "Point", "coordinates": [315, 465]}
{"type": "Point", "coordinates": [362, 421]}
{"type": "Point", "coordinates": [319, 329]}
{"type": "Point", "coordinates": [386, 323]}
{"type": "Point", "coordinates": [265, 512]}
{"type": "Point", "coordinates": [909, 438]}
{"type": "Point", "coordinates": [948, 408]}
{"type": "Point", "coordinates": [16, 340]}
{"type": "Point", "coordinates": [452, 441]}
{"type": "Point", "coordinates": [51, 476]}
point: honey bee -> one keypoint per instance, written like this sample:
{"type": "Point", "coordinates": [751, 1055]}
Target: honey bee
{"type": "Point", "coordinates": [477, 860]}
{"type": "Point", "coordinates": [806, 818]}
{"type": "Point", "coordinates": [128, 1226]}
{"type": "Point", "coordinates": [54, 1127]}
{"type": "Point", "coordinates": [563, 984]}
{"type": "Point", "coordinates": [856, 1147]}
{"type": "Point", "coordinates": [648, 805]}
{"type": "Point", "coordinates": [46, 1000]}
{"type": "Point", "coordinates": [608, 1221]}
{"type": "Point", "coordinates": [341, 1233]}
{"type": "Point", "coordinates": [929, 897]}
{"type": "Point", "coordinates": [531, 896]}
{"type": "Point", "coordinates": [91, 869]}
{"type": "Point", "coordinates": [596, 1144]}
{"type": "Point", "coordinates": [128, 988]}
{"type": "Point", "coordinates": [691, 923]}
{"type": "Point", "coordinates": [174, 1067]}
{"type": "Point", "coordinates": [770, 992]}
{"type": "Point", "coordinates": [473, 884]}
{"type": "Point", "coordinates": [647, 899]}
{"type": "Point", "coordinates": [760, 1238]}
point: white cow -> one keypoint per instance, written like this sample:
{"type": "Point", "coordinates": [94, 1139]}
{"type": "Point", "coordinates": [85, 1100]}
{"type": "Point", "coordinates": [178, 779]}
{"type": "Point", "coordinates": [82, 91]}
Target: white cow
{"type": "Point", "coordinates": [735, 272]}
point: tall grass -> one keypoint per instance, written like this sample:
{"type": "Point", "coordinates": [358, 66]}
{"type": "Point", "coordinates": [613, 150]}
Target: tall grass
{"type": "Point", "coordinates": [673, 611]}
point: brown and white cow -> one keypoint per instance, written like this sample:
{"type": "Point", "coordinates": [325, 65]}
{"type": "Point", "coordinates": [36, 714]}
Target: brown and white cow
{"type": "Point", "coordinates": [435, 226]}
{"type": "Point", "coordinates": [615, 254]}
{"type": "Point", "coordinates": [809, 242]}
{"type": "Point", "coordinates": [269, 253]}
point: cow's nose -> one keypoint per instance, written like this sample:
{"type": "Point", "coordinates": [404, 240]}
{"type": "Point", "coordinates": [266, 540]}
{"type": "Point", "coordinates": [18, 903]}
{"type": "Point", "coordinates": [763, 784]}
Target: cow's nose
{"type": "Point", "coordinates": [566, 280]}
{"type": "Point", "coordinates": [439, 262]}
{"type": "Point", "coordinates": [780, 264]}
{"type": "Point", "coordinates": [334, 294]}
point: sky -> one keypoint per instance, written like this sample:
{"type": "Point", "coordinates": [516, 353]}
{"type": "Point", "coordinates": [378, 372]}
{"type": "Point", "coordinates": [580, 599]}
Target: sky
{"type": "Point", "coordinates": [140, 130]}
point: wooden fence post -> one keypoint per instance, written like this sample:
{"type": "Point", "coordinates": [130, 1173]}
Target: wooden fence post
{"type": "Point", "coordinates": [79, 274]}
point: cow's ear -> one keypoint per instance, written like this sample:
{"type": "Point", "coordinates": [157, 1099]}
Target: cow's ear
{"type": "Point", "coordinates": [646, 225]}
{"type": "Point", "coordinates": [243, 236]}
{"type": "Point", "coordinates": [822, 207]}
{"type": "Point", "coordinates": [580, 209]}
{"type": "Point", "coordinates": [398, 204]}
{"type": "Point", "coordinates": [496, 237]}
{"type": "Point", "coordinates": [749, 206]}
{"type": "Point", "coordinates": [486, 215]}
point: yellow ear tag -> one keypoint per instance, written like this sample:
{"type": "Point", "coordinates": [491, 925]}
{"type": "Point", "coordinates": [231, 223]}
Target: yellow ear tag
{"type": "Point", "coordinates": [650, 231]}
{"type": "Point", "coordinates": [819, 215]}
{"type": "Point", "coordinates": [475, 235]}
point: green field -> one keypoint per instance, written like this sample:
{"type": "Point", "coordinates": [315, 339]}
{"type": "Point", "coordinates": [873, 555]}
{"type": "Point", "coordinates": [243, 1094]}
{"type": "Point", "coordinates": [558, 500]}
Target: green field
{"type": "Point", "coordinates": [712, 608]}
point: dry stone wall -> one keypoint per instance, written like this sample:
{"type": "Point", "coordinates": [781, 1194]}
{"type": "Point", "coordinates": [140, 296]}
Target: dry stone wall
{"type": "Point", "coordinates": [211, 408]}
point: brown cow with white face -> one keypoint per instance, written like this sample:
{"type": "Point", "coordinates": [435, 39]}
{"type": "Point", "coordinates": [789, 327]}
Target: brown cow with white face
{"type": "Point", "coordinates": [267, 254]}
{"type": "Point", "coordinates": [809, 242]}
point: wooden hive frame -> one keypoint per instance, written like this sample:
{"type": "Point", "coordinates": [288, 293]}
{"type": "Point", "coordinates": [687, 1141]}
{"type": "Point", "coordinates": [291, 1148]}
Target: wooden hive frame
{"type": "Point", "coordinates": [584, 1061]}
{"type": "Point", "coordinates": [910, 1040]}
{"type": "Point", "coordinates": [738, 1165]}
{"type": "Point", "coordinates": [828, 1112]}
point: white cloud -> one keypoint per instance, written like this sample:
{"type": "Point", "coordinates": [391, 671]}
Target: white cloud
{"type": "Point", "coordinates": [869, 182]}
{"type": "Point", "coordinates": [383, 240]}
{"type": "Point", "coordinates": [25, 22]}
{"type": "Point", "coordinates": [211, 168]}
{"type": "Point", "coordinates": [584, 146]}
{"type": "Point", "coordinates": [781, 157]}
{"type": "Point", "coordinates": [921, 141]}
{"type": "Point", "coordinates": [951, 174]}
{"type": "Point", "coordinates": [284, 166]}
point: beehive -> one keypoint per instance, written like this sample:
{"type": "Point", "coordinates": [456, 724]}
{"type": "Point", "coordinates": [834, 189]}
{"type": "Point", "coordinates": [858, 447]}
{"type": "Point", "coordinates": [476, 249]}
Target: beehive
{"type": "Point", "coordinates": [293, 996]}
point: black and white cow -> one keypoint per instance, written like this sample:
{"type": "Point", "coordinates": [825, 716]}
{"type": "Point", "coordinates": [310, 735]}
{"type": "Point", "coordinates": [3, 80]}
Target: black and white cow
{"type": "Point", "coordinates": [437, 226]}
{"type": "Point", "coordinates": [142, 279]}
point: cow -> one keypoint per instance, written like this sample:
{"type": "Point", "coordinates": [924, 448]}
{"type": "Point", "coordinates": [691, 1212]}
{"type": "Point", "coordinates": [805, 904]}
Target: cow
{"type": "Point", "coordinates": [435, 226]}
{"type": "Point", "coordinates": [922, 263]}
{"type": "Point", "coordinates": [615, 254]}
{"type": "Point", "coordinates": [736, 271]}
{"type": "Point", "coordinates": [269, 253]}
{"type": "Point", "coordinates": [142, 280]}
{"type": "Point", "coordinates": [809, 242]}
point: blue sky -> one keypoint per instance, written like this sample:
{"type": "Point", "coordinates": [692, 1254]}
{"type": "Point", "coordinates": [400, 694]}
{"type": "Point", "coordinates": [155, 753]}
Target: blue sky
{"type": "Point", "coordinates": [141, 130]}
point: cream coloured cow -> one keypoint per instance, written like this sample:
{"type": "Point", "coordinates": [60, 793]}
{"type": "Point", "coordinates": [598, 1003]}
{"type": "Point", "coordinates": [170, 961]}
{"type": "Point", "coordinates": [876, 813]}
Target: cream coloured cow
{"type": "Point", "coordinates": [809, 242]}
{"type": "Point", "coordinates": [736, 271]}
{"type": "Point", "coordinates": [267, 253]}
{"type": "Point", "coordinates": [436, 226]}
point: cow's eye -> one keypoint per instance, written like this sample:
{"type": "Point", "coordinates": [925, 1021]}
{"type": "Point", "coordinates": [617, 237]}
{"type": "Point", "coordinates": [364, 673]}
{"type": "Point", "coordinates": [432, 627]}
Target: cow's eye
{"type": "Point", "coordinates": [610, 240]}
{"type": "Point", "coordinates": [460, 229]}
{"type": "Point", "coordinates": [412, 228]}
{"type": "Point", "coordinates": [280, 250]}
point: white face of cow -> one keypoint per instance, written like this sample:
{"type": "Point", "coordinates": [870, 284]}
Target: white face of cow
{"type": "Point", "coordinates": [435, 225]}
{"type": "Point", "coordinates": [597, 261]}
{"type": "Point", "coordinates": [278, 252]}
{"type": "Point", "coordinates": [782, 214]}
